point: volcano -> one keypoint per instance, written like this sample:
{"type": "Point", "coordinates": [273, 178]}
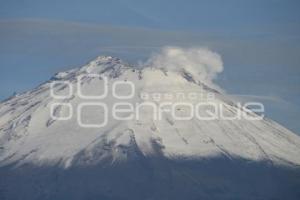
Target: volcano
{"type": "Point", "coordinates": [110, 130]}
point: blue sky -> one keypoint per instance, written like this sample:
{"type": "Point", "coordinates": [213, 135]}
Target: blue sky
{"type": "Point", "coordinates": [259, 41]}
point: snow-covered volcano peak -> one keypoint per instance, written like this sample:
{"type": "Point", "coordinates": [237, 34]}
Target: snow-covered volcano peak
{"type": "Point", "coordinates": [30, 133]}
{"type": "Point", "coordinates": [113, 67]}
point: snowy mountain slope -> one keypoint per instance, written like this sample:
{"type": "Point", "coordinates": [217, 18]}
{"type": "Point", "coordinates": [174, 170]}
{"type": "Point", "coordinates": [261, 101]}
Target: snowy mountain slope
{"type": "Point", "coordinates": [142, 157]}
{"type": "Point", "coordinates": [29, 135]}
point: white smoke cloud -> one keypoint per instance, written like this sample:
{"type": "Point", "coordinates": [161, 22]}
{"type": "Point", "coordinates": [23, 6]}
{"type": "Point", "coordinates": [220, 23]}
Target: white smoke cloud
{"type": "Point", "coordinates": [202, 63]}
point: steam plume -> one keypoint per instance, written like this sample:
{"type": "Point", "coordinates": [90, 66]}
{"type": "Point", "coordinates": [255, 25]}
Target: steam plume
{"type": "Point", "coordinates": [200, 62]}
